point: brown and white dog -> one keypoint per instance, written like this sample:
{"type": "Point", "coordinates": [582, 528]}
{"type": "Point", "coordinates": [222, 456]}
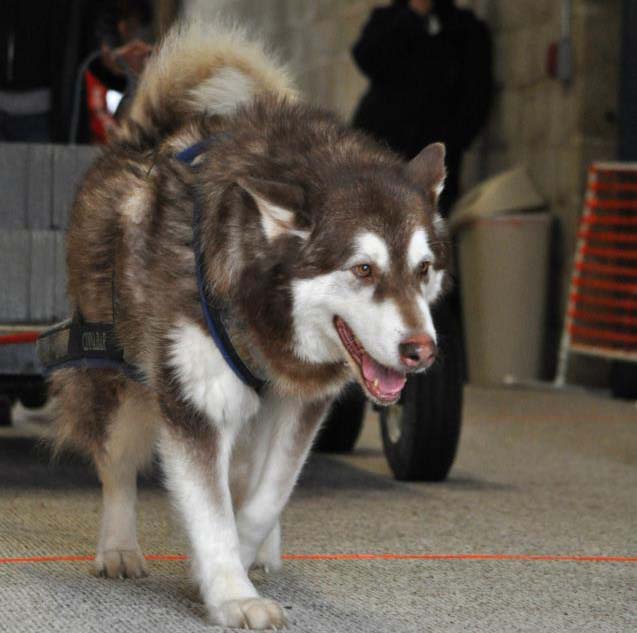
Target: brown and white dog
{"type": "Point", "coordinates": [323, 252]}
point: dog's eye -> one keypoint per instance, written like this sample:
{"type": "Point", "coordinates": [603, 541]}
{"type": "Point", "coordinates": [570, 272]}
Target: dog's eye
{"type": "Point", "coordinates": [363, 271]}
{"type": "Point", "coordinates": [424, 269]}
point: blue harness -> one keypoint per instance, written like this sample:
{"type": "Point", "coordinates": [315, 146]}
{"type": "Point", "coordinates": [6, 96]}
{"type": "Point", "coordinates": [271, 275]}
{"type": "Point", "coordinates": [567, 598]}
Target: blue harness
{"type": "Point", "coordinates": [78, 343]}
{"type": "Point", "coordinates": [211, 314]}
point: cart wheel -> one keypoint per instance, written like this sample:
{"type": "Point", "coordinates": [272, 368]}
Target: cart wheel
{"type": "Point", "coordinates": [343, 424]}
{"type": "Point", "coordinates": [420, 433]}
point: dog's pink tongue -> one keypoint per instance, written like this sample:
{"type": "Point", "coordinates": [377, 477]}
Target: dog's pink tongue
{"type": "Point", "coordinates": [390, 382]}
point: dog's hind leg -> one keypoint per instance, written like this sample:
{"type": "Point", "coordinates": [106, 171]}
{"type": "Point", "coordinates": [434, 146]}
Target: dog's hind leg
{"type": "Point", "coordinates": [293, 426]}
{"type": "Point", "coordinates": [269, 554]}
{"type": "Point", "coordinates": [128, 448]}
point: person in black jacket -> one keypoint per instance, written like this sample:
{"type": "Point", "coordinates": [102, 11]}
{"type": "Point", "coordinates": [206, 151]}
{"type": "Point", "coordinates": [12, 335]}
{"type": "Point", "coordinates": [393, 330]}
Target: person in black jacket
{"type": "Point", "coordinates": [430, 70]}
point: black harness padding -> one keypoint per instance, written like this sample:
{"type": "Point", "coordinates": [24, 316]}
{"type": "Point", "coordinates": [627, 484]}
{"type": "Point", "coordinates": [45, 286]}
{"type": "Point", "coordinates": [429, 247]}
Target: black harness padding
{"type": "Point", "coordinates": [83, 344]}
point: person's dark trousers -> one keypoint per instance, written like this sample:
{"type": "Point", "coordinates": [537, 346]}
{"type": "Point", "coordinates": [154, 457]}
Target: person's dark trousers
{"type": "Point", "coordinates": [29, 128]}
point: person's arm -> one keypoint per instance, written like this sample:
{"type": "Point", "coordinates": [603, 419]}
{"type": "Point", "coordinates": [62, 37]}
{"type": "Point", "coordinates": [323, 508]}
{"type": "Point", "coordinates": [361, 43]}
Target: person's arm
{"type": "Point", "coordinates": [476, 94]}
{"type": "Point", "coordinates": [384, 51]}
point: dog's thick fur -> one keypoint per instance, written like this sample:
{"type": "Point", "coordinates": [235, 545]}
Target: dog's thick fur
{"type": "Point", "coordinates": [324, 251]}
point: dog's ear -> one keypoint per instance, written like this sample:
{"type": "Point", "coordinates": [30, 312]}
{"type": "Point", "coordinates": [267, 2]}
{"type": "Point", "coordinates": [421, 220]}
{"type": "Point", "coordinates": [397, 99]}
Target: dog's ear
{"type": "Point", "coordinates": [279, 204]}
{"type": "Point", "coordinates": [427, 170]}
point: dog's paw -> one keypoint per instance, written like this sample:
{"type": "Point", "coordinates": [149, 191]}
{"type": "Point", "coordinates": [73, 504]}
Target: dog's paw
{"type": "Point", "coordinates": [251, 613]}
{"type": "Point", "coordinates": [268, 557]}
{"type": "Point", "coordinates": [116, 563]}
{"type": "Point", "coordinates": [268, 561]}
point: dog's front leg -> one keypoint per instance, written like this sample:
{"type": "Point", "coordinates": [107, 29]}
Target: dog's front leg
{"type": "Point", "coordinates": [197, 476]}
{"type": "Point", "coordinates": [293, 428]}
{"type": "Point", "coordinates": [204, 406]}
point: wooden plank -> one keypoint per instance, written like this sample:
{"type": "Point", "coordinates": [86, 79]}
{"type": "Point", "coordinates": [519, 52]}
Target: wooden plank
{"type": "Point", "coordinates": [13, 185]}
{"type": "Point", "coordinates": [64, 177]}
{"type": "Point", "coordinates": [39, 187]}
{"type": "Point", "coordinates": [60, 301]}
{"type": "Point", "coordinates": [15, 254]}
{"type": "Point", "coordinates": [42, 276]}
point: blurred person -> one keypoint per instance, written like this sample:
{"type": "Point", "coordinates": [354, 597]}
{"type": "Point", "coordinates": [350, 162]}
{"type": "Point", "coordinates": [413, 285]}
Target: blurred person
{"type": "Point", "coordinates": [42, 46]}
{"type": "Point", "coordinates": [430, 70]}
{"type": "Point", "coordinates": [123, 30]}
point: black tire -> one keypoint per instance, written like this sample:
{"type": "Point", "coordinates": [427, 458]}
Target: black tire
{"type": "Point", "coordinates": [34, 393]}
{"type": "Point", "coordinates": [420, 434]}
{"type": "Point", "coordinates": [343, 424]}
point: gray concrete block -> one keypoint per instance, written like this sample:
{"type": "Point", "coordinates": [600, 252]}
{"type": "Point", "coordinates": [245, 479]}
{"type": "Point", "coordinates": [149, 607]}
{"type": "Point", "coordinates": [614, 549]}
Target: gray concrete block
{"type": "Point", "coordinates": [39, 187]}
{"type": "Point", "coordinates": [15, 253]}
{"type": "Point", "coordinates": [42, 276]}
{"type": "Point", "coordinates": [60, 301]}
{"type": "Point", "coordinates": [13, 185]}
{"type": "Point", "coordinates": [64, 178]}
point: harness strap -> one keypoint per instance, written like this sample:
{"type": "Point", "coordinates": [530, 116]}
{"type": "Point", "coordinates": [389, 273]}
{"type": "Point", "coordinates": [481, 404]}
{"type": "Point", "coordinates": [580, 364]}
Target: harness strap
{"type": "Point", "coordinates": [190, 153]}
{"type": "Point", "coordinates": [211, 313]}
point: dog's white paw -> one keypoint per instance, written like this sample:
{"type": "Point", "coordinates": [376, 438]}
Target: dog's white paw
{"type": "Point", "coordinates": [251, 613]}
{"type": "Point", "coordinates": [116, 563]}
{"type": "Point", "coordinates": [268, 557]}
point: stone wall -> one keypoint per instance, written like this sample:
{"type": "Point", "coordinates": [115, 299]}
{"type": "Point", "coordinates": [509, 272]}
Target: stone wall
{"type": "Point", "coordinates": [555, 129]}
{"type": "Point", "coordinates": [313, 36]}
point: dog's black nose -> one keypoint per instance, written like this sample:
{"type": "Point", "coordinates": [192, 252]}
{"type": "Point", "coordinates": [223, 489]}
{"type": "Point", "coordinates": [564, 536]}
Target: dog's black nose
{"type": "Point", "coordinates": [418, 351]}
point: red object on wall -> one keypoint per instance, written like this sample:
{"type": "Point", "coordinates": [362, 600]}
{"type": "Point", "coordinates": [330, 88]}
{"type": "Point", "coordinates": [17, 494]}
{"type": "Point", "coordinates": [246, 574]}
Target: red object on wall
{"type": "Point", "coordinates": [601, 319]}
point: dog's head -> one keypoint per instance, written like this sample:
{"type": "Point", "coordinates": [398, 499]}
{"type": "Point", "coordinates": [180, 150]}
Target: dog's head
{"type": "Point", "coordinates": [369, 256]}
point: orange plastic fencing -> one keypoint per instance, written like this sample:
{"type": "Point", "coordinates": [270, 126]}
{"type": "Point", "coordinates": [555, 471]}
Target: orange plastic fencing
{"type": "Point", "coordinates": [601, 318]}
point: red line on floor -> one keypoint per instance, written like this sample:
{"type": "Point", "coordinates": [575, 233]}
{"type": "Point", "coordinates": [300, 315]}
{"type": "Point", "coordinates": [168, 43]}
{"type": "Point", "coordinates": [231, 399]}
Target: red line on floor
{"type": "Point", "coordinates": [354, 557]}
{"type": "Point", "coordinates": [45, 559]}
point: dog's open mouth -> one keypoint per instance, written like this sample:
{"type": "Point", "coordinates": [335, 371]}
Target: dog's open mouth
{"type": "Point", "coordinates": [383, 383]}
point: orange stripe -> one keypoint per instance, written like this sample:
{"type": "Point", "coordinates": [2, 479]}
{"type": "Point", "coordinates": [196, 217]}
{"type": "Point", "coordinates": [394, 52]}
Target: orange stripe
{"type": "Point", "coordinates": [594, 267]}
{"type": "Point", "coordinates": [503, 557]}
{"type": "Point", "coordinates": [354, 557]}
{"type": "Point", "coordinates": [620, 238]}
{"type": "Point", "coordinates": [615, 169]}
{"type": "Point", "coordinates": [609, 219]}
{"type": "Point", "coordinates": [630, 288]}
{"type": "Point", "coordinates": [601, 317]}
{"type": "Point", "coordinates": [613, 186]}
{"type": "Point", "coordinates": [45, 559]}
{"type": "Point", "coordinates": [624, 304]}
{"type": "Point", "coordinates": [601, 335]}
{"type": "Point", "coordinates": [609, 252]}
{"type": "Point", "coordinates": [596, 203]}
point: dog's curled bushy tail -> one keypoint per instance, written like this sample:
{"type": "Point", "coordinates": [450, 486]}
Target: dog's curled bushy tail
{"type": "Point", "coordinates": [199, 70]}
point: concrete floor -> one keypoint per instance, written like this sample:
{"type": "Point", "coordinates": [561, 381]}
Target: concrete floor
{"type": "Point", "coordinates": [538, 473]}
